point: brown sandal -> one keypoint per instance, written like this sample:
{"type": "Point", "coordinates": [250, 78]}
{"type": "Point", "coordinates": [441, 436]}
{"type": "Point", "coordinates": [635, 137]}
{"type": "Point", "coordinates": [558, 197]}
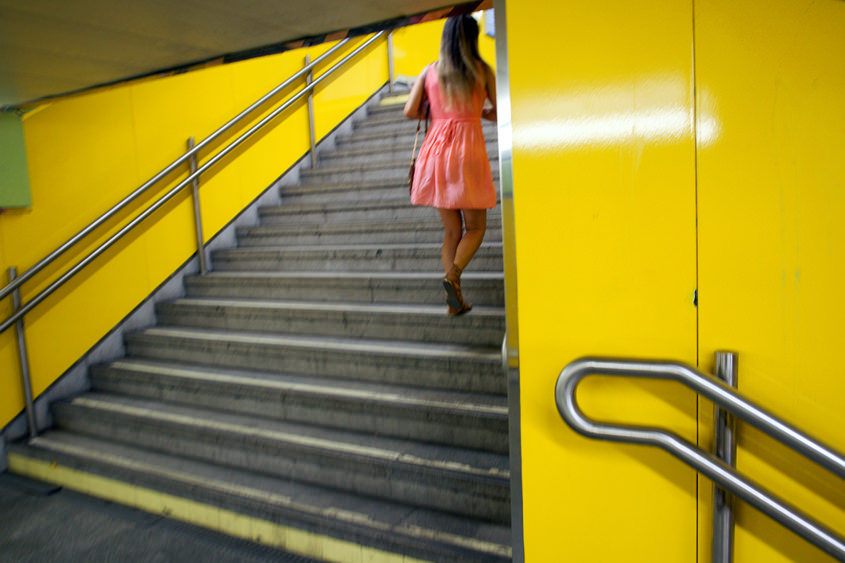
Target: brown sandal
{"type": "Point", "coordinates": [457, 312]}
{"type": "Point", "coordinates": [454, 297]}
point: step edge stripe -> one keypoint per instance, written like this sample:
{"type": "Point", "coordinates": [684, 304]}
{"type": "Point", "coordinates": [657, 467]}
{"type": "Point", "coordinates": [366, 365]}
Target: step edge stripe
{"type": "Point", "coordinates": [204, 515]}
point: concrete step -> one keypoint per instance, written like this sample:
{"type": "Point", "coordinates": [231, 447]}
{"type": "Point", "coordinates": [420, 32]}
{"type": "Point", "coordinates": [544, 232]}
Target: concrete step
{"type": "Point", "coordinates": [398, 122]}
{"type": "Point", "coordinates": [449, 418]}
{"type": "Point", "coordinates": [407, 128]}
{"type": "Point", "coordinates": [397, 109]}
{"type": "Point", "coordinates": [370, 211]}
{"type": "Point", "coordinates": [349, 192]}
{"type": "Point", "coordinates": [388, 118]}
{"type": "Point", "coordinates": [400, 152]}
{"type": "Point", "coordinates": [485, 326]}
{"type": "Point", "coordinates": [387, 209]}
{"type": "Point", "coordinates": [389, 138]}
{"type": "Point", "coordinates": [295, 516]}
{"type": "Point", "coordinates": [387, 122]}
{"type": "Point", "coordinates": [396, 170]}
{"type": "Point", "coordinates": [421, 288]}
{"type": "Point", "coordinates": [361, 232]}
{"type": "Point", "coordinates": [397, 116]}
{"type": "Point", "coordinates": [456, 367]}
{"type": "Point", "coordinates": [344, 192]}
{"type": "Point", "coordinates": [349, 258]}
{"type": "Point", "coordinates": [471, 483]}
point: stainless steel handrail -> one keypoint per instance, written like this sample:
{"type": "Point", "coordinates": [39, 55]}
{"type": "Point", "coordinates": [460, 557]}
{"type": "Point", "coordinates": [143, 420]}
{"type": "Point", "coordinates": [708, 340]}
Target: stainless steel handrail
{"type": "Point", "coordinates": [724, 448]}
{"type": "Point", "coordinates": [704, 462]}
{"type": "Point", "coordinates": [163, 173]}
{"type": "Point", "coordinates": [169, 195]}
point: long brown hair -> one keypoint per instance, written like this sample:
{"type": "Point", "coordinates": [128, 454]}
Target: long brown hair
{"type": "Point", "coordinates": [458, 69]}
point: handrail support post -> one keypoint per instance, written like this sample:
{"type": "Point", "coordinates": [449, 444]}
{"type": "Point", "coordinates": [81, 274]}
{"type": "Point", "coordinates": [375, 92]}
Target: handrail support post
{"type": "Point", "coordinates": [309, 78]}
{"type": "Point", "coordinates": [24, 359]}
{"type": "Point", "coordinates": [390, 64]}
{"type": "Point", "coordinates": [195, 188]}
{"type": "Point", "coordinates": [724, 446]}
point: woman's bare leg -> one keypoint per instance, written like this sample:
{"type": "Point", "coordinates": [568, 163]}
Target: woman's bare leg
{"type": "Point", "coordinates": [476, 226]}
{"type": "Point", "coordinates": [458, 249]}
{"type": "Point", "coordinates": [453, 230]}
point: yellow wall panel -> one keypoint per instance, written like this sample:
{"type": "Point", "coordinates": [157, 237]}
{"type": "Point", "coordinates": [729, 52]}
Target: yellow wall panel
{"type": "Point", "coordinates": [418, 45]}
{"type": "Point", "coordinates": [486, 44]}
{"type": "Point", "coordinates": [340, 91]}
{"type": "Point", "coordinates": [604, 199]}
{"type": "Point", "coordinates": [772, 241]}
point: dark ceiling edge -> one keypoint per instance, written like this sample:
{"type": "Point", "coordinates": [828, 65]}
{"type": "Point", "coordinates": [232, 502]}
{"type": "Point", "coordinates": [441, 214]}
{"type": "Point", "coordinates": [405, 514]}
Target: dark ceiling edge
{"type": "Point", "coordinates": [272, 49]}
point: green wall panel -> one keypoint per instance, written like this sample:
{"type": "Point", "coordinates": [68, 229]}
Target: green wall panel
{"type": "Point", "coordinates": [14, 178]}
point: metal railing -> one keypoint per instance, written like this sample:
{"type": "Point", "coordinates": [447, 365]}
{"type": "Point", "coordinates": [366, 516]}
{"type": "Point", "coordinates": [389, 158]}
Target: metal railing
{"type": "Point", "coordinates": [708, 464]}
{"type": "Point", "coordinates": [190, 157]}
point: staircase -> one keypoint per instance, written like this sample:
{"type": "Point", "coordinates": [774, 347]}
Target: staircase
{"type": "Point", "coordinates": [310, 392]}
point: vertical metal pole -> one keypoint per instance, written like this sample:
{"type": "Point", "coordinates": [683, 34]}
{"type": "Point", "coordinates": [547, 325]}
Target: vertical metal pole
{"type": "Point", "coordinates": [724, 444]}
{"type": "Point", "coordinates": [195, 187]}
{"type": "Point", "coordinates": [390, 62]}
{"type": "Point", "coordinates": [308, 80]}
{"type": "Point", "coordinates": [27, 385]}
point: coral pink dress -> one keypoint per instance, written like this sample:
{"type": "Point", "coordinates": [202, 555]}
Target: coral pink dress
{"type": "Point", "coordinates": [452, 169]}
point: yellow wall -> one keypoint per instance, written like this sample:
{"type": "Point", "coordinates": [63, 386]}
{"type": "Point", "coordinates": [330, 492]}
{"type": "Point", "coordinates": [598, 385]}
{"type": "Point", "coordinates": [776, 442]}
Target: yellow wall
{"type": "Point", "coordinates": [486, 44]}
{"type": "Point", "coordinates": [86, 152]}
{"type": "Point", "coordinates": [418, 45]}
{"type": "Point", "coordinates": [639, 176]}
{"type": "Point", "coordinates": [604, 199]}
{"type": "Point", "coordinates": [772, 240]}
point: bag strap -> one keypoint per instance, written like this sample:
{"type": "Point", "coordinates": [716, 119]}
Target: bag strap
{"type": "Point", "coordinates": [416, 137]}
{"type": "Point", "coordinates": [423, 116]}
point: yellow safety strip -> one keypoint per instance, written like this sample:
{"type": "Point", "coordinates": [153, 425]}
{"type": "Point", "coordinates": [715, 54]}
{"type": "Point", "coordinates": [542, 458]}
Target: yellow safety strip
{"type": "Point", "coordinates": [207, 516]}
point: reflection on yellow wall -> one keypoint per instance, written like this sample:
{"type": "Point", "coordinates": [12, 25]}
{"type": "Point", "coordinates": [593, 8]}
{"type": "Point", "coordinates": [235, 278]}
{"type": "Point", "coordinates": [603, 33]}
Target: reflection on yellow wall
{"type": "Point", "coordinates": [87, 152]}
{"type": "Point", "coordinates": [604, 199]}
{"type": "Point", "coordinates": [663, 120]}
{"type": "Point", "coordinates": [772, 241]}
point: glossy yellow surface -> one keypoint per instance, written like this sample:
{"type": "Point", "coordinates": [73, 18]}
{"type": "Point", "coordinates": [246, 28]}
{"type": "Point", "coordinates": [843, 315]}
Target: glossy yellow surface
{"type": "Point", "coordinates": [418, 45]}
{"type": "Point", "coordinates": [772, 241]}
{"type": "Point", "coordinates": [604, 198]}
{"type": "Point", "coordinates": [87, 152]}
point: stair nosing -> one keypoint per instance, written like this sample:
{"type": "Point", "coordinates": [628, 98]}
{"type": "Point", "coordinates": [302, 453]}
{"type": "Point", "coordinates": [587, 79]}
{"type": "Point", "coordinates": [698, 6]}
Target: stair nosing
{"type": "Point", "coordinates": [344, 247]}
{"type": "Point", "coordinates": [490, 249]}
{"type": "Point", "coordinates": [367, 226]}
{"type": "Point", "coordinates": [363, 276]}
{"type": "Point", "coordinates": [339, 306]}
{"type": "Point", "coordinates": [342, 345]}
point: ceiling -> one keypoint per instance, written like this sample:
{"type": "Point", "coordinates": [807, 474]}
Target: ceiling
{"type": "Point", "coordinates": [54, 47]}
